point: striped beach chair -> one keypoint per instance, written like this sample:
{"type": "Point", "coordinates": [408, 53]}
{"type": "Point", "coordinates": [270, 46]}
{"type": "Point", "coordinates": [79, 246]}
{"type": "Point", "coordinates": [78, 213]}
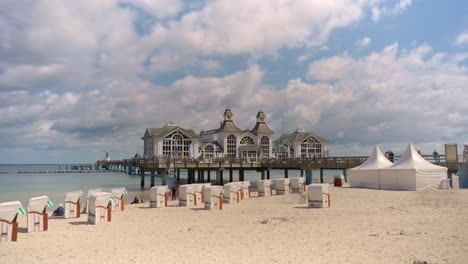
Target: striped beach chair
{"type": "Point", "coordinates": [90, 191]}
{"type": "Point", "coordinates": [187, 195]}
{"type": "Point", "coordinates": [37, 215]}
{"type": "Point", "coordinates": [118, 203]}
{"type": "Point", "coordinates": [264, 188]}
{"type": "Point", "coordinates": [158, 196]}
{"type": "Point", "coordinates": [100, 210]}
{"type": "Point", "coordinates": [8, 220]}
{"type": "Point", "coordinates": [298, 185]}
{"type": "Point", "coordinates": [282, 186]}
{"type": "Point", "coordinates": [231, 193]}
{"type": "Point", "coordinates": [213, 197]}
{"type": "Point", "coordinates": [72, 204]}
{"type": "Point", "coordinates": [318, 195]}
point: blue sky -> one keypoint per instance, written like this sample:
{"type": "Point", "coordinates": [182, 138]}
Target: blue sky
{"type": "Point", "coordinates": [79, 77]}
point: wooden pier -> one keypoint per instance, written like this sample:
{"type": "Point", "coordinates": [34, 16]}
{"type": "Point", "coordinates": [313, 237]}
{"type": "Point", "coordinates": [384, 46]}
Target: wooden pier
{"type": "Point", "coordinates": [162, 166]}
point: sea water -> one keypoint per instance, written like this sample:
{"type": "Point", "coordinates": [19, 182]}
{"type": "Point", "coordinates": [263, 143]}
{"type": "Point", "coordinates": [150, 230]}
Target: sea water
{"type": "Point", "coordinates": [16, 186]}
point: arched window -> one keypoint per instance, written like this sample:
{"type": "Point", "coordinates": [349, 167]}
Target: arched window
{"type": "Point", "coordinates": [310, 148]}
{"type": "Point", "coordinates": [282, 152]}
{"type": "Point", "coordinates": [247, 141]}
{"type": "Point", "coordinates": [176, 145]}
{"type": "Point", "coordinates": [209, 151]}
{"type": "Point", "coordinates": [231, 146]}
{"type": "Point", "coordinates": [265, 145]}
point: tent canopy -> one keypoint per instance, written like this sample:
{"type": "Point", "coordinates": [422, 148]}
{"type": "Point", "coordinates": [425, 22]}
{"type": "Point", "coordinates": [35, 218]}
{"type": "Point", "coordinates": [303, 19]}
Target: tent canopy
{"type": "Point", "coordinates": [367, 174]}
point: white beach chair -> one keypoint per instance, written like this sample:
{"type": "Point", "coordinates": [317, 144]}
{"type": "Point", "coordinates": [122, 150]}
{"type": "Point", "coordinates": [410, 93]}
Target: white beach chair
{"type": "Point", "coordinates": [298, 185]}
{"type": "Point", "coordinates": [213, 197]}
{"type": "Point", "coordinates": [282, 186]}
{"type": "Point", "coordinates": [199, 196]}
{"type": "Point", "coordinates": [158, 196]}
{"type": "Point", "coordinates": [187, 195]}
{"type": "Point", "coordinates": [118, 204]}
{"type": "Point", "coordinates": [245, 189]}
{"type": "Point", "coordinates": [231, 193]}
{"type": "Point", "coordinates": [91, 191]}
{"type": "Point", "coordinates": [264, 188]}
{"type": "Point", "coordinates": [72, 204]}
{"type": "Point", "coordinates": [8, 221]}
{"type": "Point", "coordinates": [99, 208]}
{"type": "Point", "coordinates": [318, 195]}
{"type": "Point", "coordinates": [37, 215]}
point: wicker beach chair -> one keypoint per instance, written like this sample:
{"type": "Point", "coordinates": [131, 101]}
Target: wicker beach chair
{"type": "Point", "coordinates": [213, 197]}
{"type": "Point", "coordinates": [90, 191]}
{"type": "Point", "coordinates": [282, 186]}
{"type": "Point", "coordinates": [118, 204]}
{"type": "Point", "coordinates": [199, 196]}
{"type": "Point", "coordinates": [298, 185]}
{"type": "Point", "coordinates": [318, 195]}
{"type": "Point", "coordinates": [8, 221]}
{"type": "Point", "coordinates": [264, 188]}
{"type": "Point", "coordinates": [100, 210]}
{"type": "Point", "coordinates": [187, 195]}
{"type": "Point", "coordinates": [72, 204]}
{"type": "Point", "coordinates": [158, 196]}
{"type": "Point", "coordinates": [37, 215]}
{"type": "Point", "coordinates": [231, 193]}
{"type": "Point", "coordinates": [245, 187]}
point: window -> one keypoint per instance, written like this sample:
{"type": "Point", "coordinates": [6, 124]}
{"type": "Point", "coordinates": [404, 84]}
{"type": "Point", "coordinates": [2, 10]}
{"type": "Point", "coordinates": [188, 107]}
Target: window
{"type": "Point", "coordinates": [176, 145]}
{"type": "Point", "coordinates": [231, 146]}
{"type": "Point", "coordinates": [149, 147]}
{"type": "Point", "coordinates": [247, 141]}
{"type": "Point", "coordinates": [310, 148]}
{"type": "Point", "coordinates": [265, 146]}
{"type": "Point", "coordinates": [209, 151]}
{"type": "Point", "coordinates": [282, 152]}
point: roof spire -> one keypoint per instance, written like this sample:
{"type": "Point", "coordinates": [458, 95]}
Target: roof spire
{"type": "Point", "coordinates": [228, 114]}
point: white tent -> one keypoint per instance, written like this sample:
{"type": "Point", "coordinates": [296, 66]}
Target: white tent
{"type": "Point", "coordinates": [367, 174]}
{"type": "Point", "coordinates": [412, 172]}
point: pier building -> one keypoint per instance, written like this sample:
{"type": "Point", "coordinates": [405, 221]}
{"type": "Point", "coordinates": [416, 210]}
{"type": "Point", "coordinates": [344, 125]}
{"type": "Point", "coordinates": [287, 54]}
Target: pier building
{"type": "Point", "coordinates": [229, 141]}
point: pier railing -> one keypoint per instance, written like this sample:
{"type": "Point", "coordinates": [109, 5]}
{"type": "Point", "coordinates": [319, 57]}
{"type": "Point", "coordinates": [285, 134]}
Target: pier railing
{"type": "Point", "coordinates": [156, 163]}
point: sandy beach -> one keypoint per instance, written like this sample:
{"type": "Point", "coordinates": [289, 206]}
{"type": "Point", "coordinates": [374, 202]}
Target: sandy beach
{"type": "Point", "coordinates": [362, 226]}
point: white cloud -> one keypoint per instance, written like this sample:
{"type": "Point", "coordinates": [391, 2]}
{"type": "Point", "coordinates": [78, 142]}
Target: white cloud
{"type": "Point", "coordinates": [462, 39]}
{"type": "Point", "coordinates": [363, 43]}
{"type": "Point", "coordinates": [379, 11]}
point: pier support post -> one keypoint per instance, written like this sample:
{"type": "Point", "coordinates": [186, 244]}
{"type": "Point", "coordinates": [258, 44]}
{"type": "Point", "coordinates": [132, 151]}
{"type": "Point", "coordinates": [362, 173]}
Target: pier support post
{"type": "Point", "coordinates": [286, 173]}
{"type": "Point", "coordinates": [189, 176]}
{"type": "Point", "coordinates": [302, 173]}
{"type": "Point", "coordinates": [263, 174]}
{"type": "Point", "coordinates": [221, 177]}
{"type": "Point", "coordinates": [178, 175]}
{"type": "Point", "coordinates": [202, 175]}
{"type": "Point", "coordinates": [209, 176]}
{"type": "Point", "coordinates": [164, 174]}
{"type": "Point", "coordinates": [241, 175]}
{"type": "Point", "coordinates": [268, 174]}
{"type": "Point", "coordinates": [345, 174]}
{"type": "Point", "coordinates": [321, 175]}
{"type": "Point", "coordinates": [142, 183]}
{"type": "Point", "coordinates": [308, 177]}
{"type": "Point", "coordinates": [152, 179]}
{"type": "Point", "coordinates": [231, 176]}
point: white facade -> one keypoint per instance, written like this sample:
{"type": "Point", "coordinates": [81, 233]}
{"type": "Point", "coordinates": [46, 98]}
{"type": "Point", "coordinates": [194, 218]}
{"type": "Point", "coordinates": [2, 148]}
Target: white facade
{"type": "Point", "coordinates": [300, 144]}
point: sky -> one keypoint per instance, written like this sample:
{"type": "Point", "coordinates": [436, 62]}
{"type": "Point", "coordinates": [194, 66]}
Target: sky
{"type": "Point", "coordinates": [80, 77]}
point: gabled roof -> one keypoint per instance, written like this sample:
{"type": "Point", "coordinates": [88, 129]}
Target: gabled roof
{"type": "Point", "coordinates": [161, 132]}
{"type": "Point", "coordinates": [214, 143]}
{"type": "Point", "coordinates": [261, 127]}
{"type": "Point", "coordinates": [228, 126]}
{"type": "Point", "coordinates": [300, 135]}
{"type": "Point", "coordinates": [376, 160]}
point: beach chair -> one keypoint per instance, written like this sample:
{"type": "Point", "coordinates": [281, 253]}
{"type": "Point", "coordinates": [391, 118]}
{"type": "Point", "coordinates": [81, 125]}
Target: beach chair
{"type": "Point", "coordinates": [72, 204]}
{"type": "Point", "coordinates": [214, 197]}
{"type": "Point", "coordinates": [298, 185]}
{"type": "Point", "coordinates": [118, 204]}
{"type": "Point", "coordinates": [264, 188]}
{"type": "Point", "coordinates": [37, 215]}
{"type": "Point", "coordinates": [91, 191]}
{"type": "Point", "coordinates": [100, 210]}
{"type": "Point", "coordinates": [231, 193]}
{"type": "Point", "coordinates": [187, 195]}
{"type": "Point", "coordinates": [318, 195]}
{"type": "Point", "coordinates": [282, 186]}
{"type": "Point", "coordinates": [245, 187]}
{"type": "Point", "coordinates": [199, 196]}
{"type": "Point", "coordinates": [8, 220]}
{"type": "Point", "coordinates": [158, 196]}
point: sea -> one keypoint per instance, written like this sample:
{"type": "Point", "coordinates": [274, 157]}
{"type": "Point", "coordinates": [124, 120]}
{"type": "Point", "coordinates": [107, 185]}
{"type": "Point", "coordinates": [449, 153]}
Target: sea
{"type": "Point", "coordinates": [40, 179]}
